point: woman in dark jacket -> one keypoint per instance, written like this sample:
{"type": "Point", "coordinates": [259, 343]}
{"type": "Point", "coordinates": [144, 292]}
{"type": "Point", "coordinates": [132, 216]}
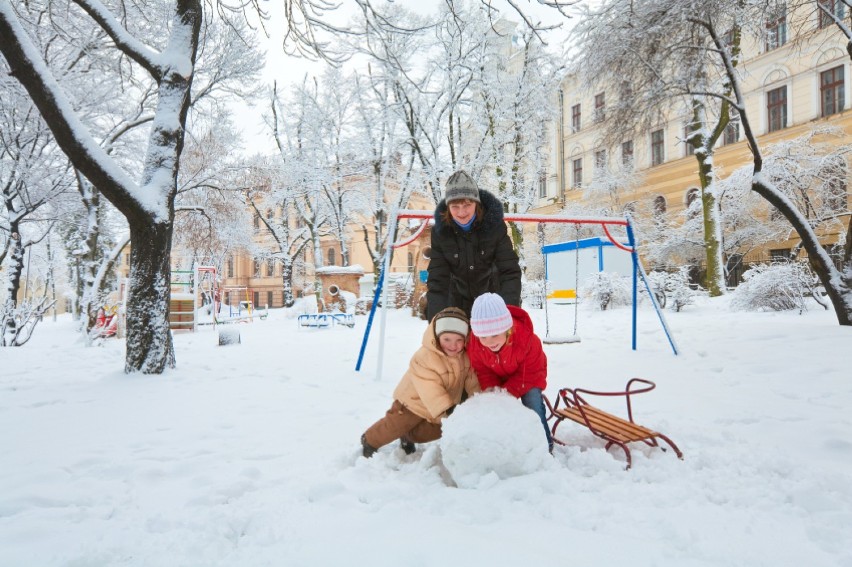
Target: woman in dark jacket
{"type": "Point", "coordinates": [471, 249]}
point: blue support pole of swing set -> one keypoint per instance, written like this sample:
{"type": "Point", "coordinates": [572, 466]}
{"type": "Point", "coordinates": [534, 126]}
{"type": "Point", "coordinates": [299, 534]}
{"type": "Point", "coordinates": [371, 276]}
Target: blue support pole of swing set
{"type": "Point", "coordinates": [638, 271]}
{"type": "Point", "coordinates": [370, 318]}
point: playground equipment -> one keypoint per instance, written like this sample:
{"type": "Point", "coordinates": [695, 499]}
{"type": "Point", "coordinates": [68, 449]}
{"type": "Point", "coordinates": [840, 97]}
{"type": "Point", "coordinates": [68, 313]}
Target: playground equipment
{"type": "Point", "coordinates": [605, 223]}
{"type": "Point", "coordinates": [566, 262]}
{"type": "Point", "coordinates": [182, 301]}
{"type": "Point", "coordinates": [106, 324]}
{"type": "Point", "coordinates": [326, 320]}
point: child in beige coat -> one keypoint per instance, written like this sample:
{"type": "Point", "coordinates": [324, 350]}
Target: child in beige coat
{"type": "Point", "coordinates": [438, 374]}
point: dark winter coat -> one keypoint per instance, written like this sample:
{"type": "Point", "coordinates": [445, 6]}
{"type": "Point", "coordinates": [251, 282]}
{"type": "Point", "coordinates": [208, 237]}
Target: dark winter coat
{"type": "Point", "coordinates": [519, 366]}
{"type": "Point", "coordinates": [464, 265]}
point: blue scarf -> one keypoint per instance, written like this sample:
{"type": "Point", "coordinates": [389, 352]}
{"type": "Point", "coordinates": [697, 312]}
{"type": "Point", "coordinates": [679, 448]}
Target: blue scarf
{"type": "Point", "coordinates": [466, 227]}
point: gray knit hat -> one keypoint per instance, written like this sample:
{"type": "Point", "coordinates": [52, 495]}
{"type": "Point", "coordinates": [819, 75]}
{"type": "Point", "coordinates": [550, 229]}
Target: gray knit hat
{"type": "Point", "coordinates": [460, 185]}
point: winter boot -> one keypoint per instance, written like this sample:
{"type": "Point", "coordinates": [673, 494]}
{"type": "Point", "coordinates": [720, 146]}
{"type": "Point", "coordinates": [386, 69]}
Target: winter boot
{"type": "Point", "coordinates": [407, 445]}
{"type": "Point", "coordinates": [367, 449]}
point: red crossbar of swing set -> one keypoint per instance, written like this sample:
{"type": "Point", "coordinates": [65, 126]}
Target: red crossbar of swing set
{"type": "Point", "coordinates": [603, 222]}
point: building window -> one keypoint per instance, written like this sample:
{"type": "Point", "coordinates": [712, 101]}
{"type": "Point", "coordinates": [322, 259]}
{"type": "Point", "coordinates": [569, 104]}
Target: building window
{"type": "Point", "coordinates": [776, 108]}
{"type": "Point", "coordinates": [600, 160]}
{"type": "Point", "coordinates": [255, 268]}
{"type": "Point", "coordinates": [270, 266]}
{"type": "Point", "coordinates": [776, 29]}
{"type": "Point", "coordinates": [575, 118]}
{"type": "Point", "coordinates": [268, 298]}
{"type": "Point", "coordinates": [256, 300]}
{"type": "Point", "coordinates": [731, 134]}
{"type": "Point", "coordinates": [660, 205]}
{"type": "Point", "coordinates": [658, 150]}
{"type": "Point", "coordinates": [542, 186]}
{"type": "Point", "coordinates": [600, 107]}
{"type": "Point", "coordinates": [230, 266]}
{"type": "Point", "coordinates": [627, 153]}
{"type": "Point", "coordinates": [688, 130]}
{"type": "Point", "coordinates": [690, 198]}
{"type": "Point", "coordinates": [626, 93]}
{"type": "Point", "coordinates": [332, 257]}
{"type": "Point", "coordinates": [831, 91]}
{"type": "Point", "coordinates": [577, 173]}
{"type": "Point", "coordinates": [836, 190]}
{"type": "Point", "coordinates": [411, 262]}
{"type": "Point", "coordinates": [256, 222]}
{"type": "Point", "coordinates": [780, 255]}
{"type": "Point", "coordinates": [728, 39]}
{"type": "Point", "coordinates": [828, 7]}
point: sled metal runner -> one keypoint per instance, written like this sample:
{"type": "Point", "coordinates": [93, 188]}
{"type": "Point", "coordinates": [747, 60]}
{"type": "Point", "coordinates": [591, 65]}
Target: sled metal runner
{"type": "Point", "coordinates": [611, 428]}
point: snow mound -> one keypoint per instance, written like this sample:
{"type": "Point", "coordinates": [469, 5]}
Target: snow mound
{"type": "Point", "coordinates": [491, 437]}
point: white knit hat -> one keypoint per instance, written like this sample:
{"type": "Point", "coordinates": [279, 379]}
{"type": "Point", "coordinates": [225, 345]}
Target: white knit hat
{"type": "Point", "coordinates": [490, 316]}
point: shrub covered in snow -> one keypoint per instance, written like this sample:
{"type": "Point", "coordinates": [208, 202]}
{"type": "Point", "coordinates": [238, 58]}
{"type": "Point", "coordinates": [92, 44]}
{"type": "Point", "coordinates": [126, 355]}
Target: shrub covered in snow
{"type": "Point", "coordinates": [533, 293]}
{"type": "Point", "coordinates": [493, 436]}
{"type": "Point", "coordinates": [679, 293]}
{"type": "Point", "coordinates": [774, 287]}
{"type": "Point", "coordinates": [607, 289]}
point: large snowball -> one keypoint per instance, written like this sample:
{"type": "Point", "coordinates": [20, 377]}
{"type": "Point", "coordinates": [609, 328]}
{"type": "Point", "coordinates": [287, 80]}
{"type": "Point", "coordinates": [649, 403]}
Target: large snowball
{"type": "Point", "coordinates": [493, 436]}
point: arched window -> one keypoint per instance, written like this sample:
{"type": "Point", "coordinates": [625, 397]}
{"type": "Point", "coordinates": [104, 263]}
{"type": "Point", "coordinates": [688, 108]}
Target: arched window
{"type": "Point", "coordinates": [659, 206]}
{"type": "Point", "coordinates": [835, 173]}
{"type": "Point", "coordinates": [331, 257]}
{"type": "Point", "coordinates": [411, 261]}
{"type": "Point", "coordinates": [691, 196]}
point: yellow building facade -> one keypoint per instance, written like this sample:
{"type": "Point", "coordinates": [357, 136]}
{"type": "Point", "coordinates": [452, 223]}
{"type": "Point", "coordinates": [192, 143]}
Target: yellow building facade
{"type": "Point", "coordinates": [790, 87]}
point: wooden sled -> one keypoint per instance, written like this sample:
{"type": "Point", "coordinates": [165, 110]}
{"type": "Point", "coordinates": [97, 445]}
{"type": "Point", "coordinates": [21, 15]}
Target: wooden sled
{"type": "Point", "coordinates": [611, 428]}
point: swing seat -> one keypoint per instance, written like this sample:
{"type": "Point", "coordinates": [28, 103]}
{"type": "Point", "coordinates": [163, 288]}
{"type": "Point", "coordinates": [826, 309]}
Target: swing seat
{"type": "Point", "coordinates": [611, 428]}
{"type": "Point", "coordinates": [563, 340]}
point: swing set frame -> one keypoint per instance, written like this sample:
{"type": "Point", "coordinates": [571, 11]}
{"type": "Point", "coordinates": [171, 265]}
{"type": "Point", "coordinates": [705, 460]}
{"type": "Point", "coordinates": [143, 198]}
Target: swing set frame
{"type": "Point", "coordinates": [426, 216]}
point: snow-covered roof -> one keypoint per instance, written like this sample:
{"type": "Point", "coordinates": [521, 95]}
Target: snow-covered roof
{"type": "Point", "coordinates": [353, 269]}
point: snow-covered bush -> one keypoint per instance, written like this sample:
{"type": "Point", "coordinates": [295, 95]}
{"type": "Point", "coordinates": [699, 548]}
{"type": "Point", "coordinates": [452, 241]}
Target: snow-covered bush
{"type": "Point", "coordinates": [491, 437]}
{"type": "Point", "coordinates": [607, 289]}
{"type": "Point", "coordinates": [533, 293]}
{"type": "Point", "coordinates": [774, 287]}
{"type": "Point", "coordinates": [678, 290]}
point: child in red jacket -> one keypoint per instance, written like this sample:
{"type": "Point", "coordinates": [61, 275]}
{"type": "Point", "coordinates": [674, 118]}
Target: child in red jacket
{"type": "Point", "coordinates": [506, 353]}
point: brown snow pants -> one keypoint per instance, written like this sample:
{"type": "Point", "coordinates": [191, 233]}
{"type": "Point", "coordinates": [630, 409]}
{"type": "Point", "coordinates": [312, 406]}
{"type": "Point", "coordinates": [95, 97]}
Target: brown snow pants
{"type": "Point", "coordinates": [400, 422]}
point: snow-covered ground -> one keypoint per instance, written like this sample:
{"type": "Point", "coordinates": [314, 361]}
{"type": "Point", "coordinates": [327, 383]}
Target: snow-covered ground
{"type": "Point", "coordinates": [248, 454]}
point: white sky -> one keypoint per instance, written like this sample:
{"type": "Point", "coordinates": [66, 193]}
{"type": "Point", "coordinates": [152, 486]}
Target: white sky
{"type": "Point", "coordinates": [249, 454]}
{"type": "Point", "coordinates": [288, 70]}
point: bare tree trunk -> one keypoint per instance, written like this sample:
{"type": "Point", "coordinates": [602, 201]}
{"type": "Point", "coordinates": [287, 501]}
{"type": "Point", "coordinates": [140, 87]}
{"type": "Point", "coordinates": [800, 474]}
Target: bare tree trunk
{"type": "Point", "coordinates": [149, 340]}
{"type": "Point", "coordinates": [714, 278]}
{"type": "Point", "coordinates": [13, 283]}
{"type": "Point", "coordinates": [287, 281]}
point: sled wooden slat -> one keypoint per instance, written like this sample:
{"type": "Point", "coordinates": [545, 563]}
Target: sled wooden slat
{"type": "Point", "coordinates": [612, 428]}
